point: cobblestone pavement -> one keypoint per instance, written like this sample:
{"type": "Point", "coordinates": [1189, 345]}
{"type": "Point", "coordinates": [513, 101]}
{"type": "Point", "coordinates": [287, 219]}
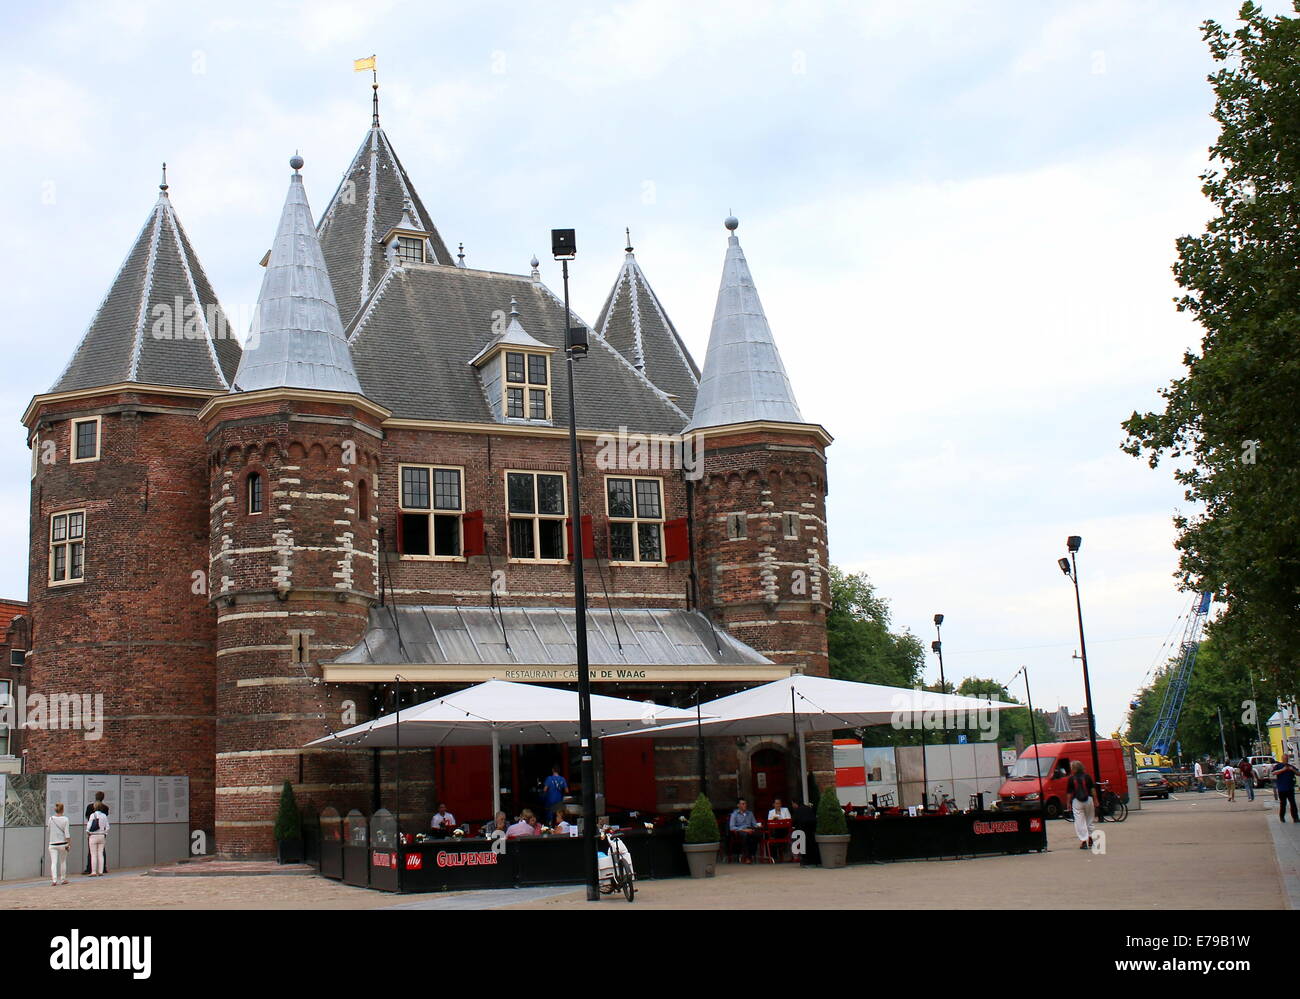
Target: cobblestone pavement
{"type": "Point", "coordinates": [1168, 855]}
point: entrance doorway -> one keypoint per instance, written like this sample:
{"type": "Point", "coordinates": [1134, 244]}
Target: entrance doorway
{"type": "Point", "coordinates": [769, 779]}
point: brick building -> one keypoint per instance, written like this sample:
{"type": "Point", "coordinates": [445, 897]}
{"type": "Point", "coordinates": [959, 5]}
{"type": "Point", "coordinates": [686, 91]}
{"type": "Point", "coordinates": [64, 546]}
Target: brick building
{"type": "Point", "coordinates": [245, 549]}
{"type": "Point", "coordinates": [14, 642]}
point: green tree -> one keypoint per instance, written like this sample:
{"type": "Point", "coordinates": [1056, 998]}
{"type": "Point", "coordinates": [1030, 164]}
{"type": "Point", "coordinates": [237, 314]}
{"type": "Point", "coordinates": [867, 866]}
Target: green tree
{"type": "Point", "coordinates": [862, 647]}
{"type": "Point", "coordinates": [1012, 722]}
{"type": "Point", "coordinates": [1229, 424]}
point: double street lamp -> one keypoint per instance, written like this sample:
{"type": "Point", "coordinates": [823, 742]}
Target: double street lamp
{"type": "Point", "coordinates": [1070, 566]}
{"type": "Point", "coordinates": [564, 248]}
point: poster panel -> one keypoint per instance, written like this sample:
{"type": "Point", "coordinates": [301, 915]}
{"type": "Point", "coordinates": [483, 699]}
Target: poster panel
{"type": "Point", "coordinates": [69, 789]}
{"type": "Point", "coordinates": [111, 785]}
{"type": "Point", "coordinates": [137, 800]}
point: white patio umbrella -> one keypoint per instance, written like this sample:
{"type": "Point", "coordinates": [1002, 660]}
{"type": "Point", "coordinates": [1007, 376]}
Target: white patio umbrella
{"type": "Point", "coordinates": [498, 711]}
{"type": "Point", "coordinates": [805, 704]}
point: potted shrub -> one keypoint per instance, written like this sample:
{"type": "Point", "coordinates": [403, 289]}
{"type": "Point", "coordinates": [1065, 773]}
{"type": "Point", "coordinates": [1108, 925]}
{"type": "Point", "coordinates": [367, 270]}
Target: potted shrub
{"type": "Point", "coordinates": [832, 830]}
{"type": "Point", "coordinates": [701, 844]}
{"type": "Point", "coordinates": [288, 828]}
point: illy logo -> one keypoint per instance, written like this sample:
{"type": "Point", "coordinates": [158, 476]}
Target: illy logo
{"type": "Point", "coordinates": [102, 953]}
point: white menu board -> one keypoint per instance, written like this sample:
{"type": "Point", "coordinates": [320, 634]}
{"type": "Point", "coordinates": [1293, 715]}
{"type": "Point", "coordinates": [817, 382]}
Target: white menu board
{"type": "Point", "coordinates": [69, 789]}
{"type": "Point", "coordinates": [137, 800]}
{"type": "Point", "coordinates": [171, 799]}
{"type": "Point", "coordinates": [111, 785]}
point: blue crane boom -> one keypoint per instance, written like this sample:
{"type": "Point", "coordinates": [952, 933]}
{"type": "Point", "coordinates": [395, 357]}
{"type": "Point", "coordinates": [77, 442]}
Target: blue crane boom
{"type": "Point", "coordinates": [1161, 738]}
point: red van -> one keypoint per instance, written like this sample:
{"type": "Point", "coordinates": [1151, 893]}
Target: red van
{"type": "Point", "coordinates": [1051, 761]}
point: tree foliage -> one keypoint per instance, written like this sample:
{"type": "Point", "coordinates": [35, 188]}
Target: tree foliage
{"type": "Point", "coordinates": [1231, 423]}
{"type": "Point", "coordinates": [861, 645]}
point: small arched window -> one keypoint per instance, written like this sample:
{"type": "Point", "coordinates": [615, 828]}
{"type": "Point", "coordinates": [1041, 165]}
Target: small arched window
{"type": "Point", "coordinates": [254, 492]}
{"type": "Point", "coordinates": [363, 502]}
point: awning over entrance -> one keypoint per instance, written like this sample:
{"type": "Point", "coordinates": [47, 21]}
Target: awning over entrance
{"type": "Point", "coordinates": [537, 644]}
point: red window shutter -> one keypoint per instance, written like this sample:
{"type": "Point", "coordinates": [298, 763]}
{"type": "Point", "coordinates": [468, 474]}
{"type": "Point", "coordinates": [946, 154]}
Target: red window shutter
{"type": "Point", "coordinates": [474, 540]}
{"type": "Point", "coordinates": [588, 537]}
{"type": "Point", "coordinates": [677, 540]}
{"type": "Point", "coordinates": [399, 532]}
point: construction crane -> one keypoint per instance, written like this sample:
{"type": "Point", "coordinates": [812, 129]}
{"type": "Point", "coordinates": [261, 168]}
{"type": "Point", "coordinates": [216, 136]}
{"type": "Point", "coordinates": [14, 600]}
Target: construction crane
{"type": "Point", "coordinates": [1161, 738]}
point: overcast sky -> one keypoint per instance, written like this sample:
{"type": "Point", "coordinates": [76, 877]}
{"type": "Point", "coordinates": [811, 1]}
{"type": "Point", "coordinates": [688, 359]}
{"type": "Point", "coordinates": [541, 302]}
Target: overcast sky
{"type": "Point", "coordinates": [960, 217]}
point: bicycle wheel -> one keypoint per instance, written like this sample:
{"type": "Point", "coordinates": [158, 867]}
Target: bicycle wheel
{"type": "Point", "coordinates": [1120, 812]}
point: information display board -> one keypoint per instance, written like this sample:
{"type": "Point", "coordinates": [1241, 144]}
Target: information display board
{"type": "Point", "coordinates": [137, 800]}
{"type": "Point", "coordinates": [171, 799]}
{"type": "Point", "coordinates": [111, 785]}
{"type": "Point", "coordinates": [69, 789]}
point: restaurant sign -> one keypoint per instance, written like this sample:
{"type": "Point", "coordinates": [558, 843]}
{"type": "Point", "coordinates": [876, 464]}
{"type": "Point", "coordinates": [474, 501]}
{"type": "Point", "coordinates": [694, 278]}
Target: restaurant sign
{"type": "Point", "coordinates": [1003, 826]}
{"type": "Point", "coordinates": [381, 858]}
{"type": "Point", "coordinates": [446, 858]}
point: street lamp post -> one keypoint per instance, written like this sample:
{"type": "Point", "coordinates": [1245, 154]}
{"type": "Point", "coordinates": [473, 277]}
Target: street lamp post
{"type": "Point", "coordinates": [1070, 566]}
{"type": "Point", "coordinates": [937, 648]}
{"type": "Point", "coordinates": [564, 249]}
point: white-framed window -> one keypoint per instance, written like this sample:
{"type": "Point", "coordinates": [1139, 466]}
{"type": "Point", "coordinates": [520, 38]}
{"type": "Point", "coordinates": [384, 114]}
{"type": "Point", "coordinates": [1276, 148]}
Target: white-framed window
{"type": "Point", "coordinates": [431, 508]}
{"type": "Point", "coordinates": [737, 527]}
{"type": "Point", "coordinates": [67, 547]}
{"type": "Point", "coordinates": [410, 249]}
{"type": "Point", "coordinates": [253, 487]}
{"type": "Point", "coordinates": [790, 526]}
{"type": "Point", "coordinates": [85, 439]}
{"type": "Point", "coordinates": [535, 509]}
{"type": "Point", "coordinates": [527, 379]}
{"type": "Point", "coordinates": [636, 519]}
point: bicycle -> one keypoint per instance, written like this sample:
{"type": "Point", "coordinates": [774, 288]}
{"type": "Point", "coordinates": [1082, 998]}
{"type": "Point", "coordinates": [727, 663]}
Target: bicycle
{"type": "Point", "coordinates": [1110, 807]}
{"type": "Point", "coordinates": [622, 877]}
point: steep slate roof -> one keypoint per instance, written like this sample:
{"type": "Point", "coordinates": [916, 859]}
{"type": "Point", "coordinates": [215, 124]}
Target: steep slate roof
{"type": "Point", "coordinates": [744, 379]}
{"type": "Point", "coordinates": [413, 341]}
{"type": "Point", "coordinates": [137, 335]}
{"type": "Point", "coordinates": [635, 324]}
{"type": "Point", "coordinates": [297, 337]}
{"type": "Point", "coordinates": [369, 201]}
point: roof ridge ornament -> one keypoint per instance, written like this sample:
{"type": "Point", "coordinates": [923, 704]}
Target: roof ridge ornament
{"type": "Point", "coordinates": [164, 185]}
{"type": "Point", "coordinates": [460, 255]}
{"type": "Point", "coordinates": [535, 263]}
{"type": "Point", "coordinates": [628, 232]}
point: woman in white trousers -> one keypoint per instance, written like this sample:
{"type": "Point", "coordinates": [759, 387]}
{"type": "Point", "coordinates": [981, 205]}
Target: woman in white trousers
{"type": "Point", "coordinates": [1081, 785]}
{"type": "Point", "coordinates": [59, 836]}
{"type": "Point", "coordinates": [97, 833]}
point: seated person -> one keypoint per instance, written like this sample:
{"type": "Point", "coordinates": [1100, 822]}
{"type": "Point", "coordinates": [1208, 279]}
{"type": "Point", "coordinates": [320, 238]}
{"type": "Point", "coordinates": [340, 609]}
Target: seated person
{"type": "Point", "coordinates": [525, 825]}
{"type": "Point", "coordinates": [778, 813]}
{"type": "Point", "coordinates": [443, 822]}
{"type": "Point", "coordinates": [561, 827]}
{"type": "Point", "coordinates": [743, 827]}
{"type": "Point", "coordinates": [498, 823]}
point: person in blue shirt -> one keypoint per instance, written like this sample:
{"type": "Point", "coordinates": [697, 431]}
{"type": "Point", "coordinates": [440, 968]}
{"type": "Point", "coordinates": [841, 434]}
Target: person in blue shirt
{"type": "Point", "coordinates": [1284, 774]}
{"type": "Point", "coordinates": [744, 827]}
{"type": "Point", "coordinates": [554, 789]}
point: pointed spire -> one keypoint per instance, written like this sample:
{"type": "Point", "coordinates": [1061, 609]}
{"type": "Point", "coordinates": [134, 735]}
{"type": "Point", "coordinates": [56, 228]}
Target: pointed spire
{"type": "Point", "coordinates": [744, 379]}
{"type": "Point", "coordinates": [160, 322]}
{"type": "Point", "coordinates": [634, 322]}
{"type": "Point", "coordinates": [297, 337]}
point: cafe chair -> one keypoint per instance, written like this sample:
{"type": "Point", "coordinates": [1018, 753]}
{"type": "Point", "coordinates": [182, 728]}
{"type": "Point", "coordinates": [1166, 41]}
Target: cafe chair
{"type": "Point", "coordinates": [779, 832]}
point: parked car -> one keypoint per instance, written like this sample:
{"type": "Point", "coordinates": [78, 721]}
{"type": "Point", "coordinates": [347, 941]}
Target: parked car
{"type": "Point", "coordinates": [1152, 784]}
{"type": "Point", "coordinates": [1262, 766]}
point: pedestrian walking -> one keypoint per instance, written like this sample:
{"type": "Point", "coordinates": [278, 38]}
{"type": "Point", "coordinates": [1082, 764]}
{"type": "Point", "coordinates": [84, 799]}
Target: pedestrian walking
{"type": "Point", "coordinates": [1248, 775]}
{"type": "Point", "coordinates": [90, 810]}
{"type": "Point", "coordinates": [1199, 774]}
{"type": "Point", "coordinates": [58, 825]}
{"type": "Point", "coordinates": [1082, 790]}
{"type": "Point", "coordinates": [1284, 775]}
{"type": "Point", "coordinates": [97, 834]}
{"type": "Point", "coordinates": [1230, 779]}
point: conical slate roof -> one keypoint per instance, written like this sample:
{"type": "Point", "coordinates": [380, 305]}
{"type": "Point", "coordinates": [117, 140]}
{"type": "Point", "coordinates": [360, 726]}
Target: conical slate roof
{"type": "Point", "coordinates": [370, 200]}
{"type": "Point", "coordinates": [160, 323]}
{"type": "Point", "coordinates": [635, 324]}
{"type": "Point", "coordinates": [744, 379]}
{"type": "Point", "coordinates": [297, 337]}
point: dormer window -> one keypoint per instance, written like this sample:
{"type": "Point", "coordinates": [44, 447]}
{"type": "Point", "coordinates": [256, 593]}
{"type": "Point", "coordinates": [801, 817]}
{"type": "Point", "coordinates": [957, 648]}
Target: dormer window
{"type": "Point", "coordinates": [410, 250]}
{"type": "Point", "coordinates": [527, 386]}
